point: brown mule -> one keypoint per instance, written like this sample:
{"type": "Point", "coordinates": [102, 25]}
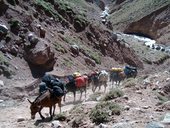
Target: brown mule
{"type": "Point", "coordinates": [44, 100]}
{"type": "Point", "coordinates": [117, 76]}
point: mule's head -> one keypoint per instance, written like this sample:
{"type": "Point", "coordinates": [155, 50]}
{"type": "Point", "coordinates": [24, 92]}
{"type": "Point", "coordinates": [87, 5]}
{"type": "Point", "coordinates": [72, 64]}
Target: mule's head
{"type": "Point", "coordinates": [34, 109]}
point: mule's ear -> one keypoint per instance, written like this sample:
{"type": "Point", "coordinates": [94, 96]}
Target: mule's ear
{"type": "Point", "coordinates": [29, 101]}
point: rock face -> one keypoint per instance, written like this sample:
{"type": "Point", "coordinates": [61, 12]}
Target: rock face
{"type": "Point", "coordinates": [149, 18]}
{"type": "Point", "coordinates": [154, 25]}
{"type": "Point", "coordinates": [110, 46]}
{"type": "Point", "coordinates": [3, 7]}
{"type": "Point", "coordinates": [41, 54]}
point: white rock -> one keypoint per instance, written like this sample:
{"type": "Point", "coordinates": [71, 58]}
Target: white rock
{"type": "Point", "coordinates": [146, 107]}
{"type": "Point", "coordinates": [126, 107]}
{"type": "Point", "coordinates": [139, 92]}
{"type": "Point", "coordinates": [103, 125]}
{"type": "Point", "coordinates": [166, 119]}
{"type": "Point", "coordinates": [20, 119]}
{"type": "Point", "coordinates": [1, 83]}
{"type": "Point", "coordinates": [56, 124]}
{"type": "Point", "coordinates": [3, 28]}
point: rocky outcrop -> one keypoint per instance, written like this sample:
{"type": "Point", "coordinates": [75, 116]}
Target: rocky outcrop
{"type": "Point", "coordinates": [40, 54]}
{"type": "Point", "coordinates": [107, 43]}
{"type": "Point", "coordinates": [154, 25]}
{"type": "Point", "coordinates": [3, 7]}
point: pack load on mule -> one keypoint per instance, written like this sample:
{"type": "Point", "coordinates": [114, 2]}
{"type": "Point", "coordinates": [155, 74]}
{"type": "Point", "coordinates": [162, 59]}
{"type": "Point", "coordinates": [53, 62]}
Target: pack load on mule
{"type": "Point", "coordinates": [130, 71]}
{"type": "Point", "coordinates": [115, 72]}
{"type": "Point", "coordinates": [117, 69]}
{"type": "Point", "coordinates": [77, 74]}
{"type": "Point", "coordinates": [53, 84]}
{"type": "Point", "coordinates": [76, 82]}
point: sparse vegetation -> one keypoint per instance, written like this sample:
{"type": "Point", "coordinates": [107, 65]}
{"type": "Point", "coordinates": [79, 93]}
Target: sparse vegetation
{"type": "Point", "coordinates": [161, 98]}
{"type": "Point", "coordinates": [140, 9]}
{"type": "Point", "coordinates": [112, 94]}
{"type": "Point", "coordinates": [102, 111]}
{"type": "Point", "coordinates": [4, 67]}
{"type": "Point", "coordinates": [130, 82]}
{"type": "Point", "coordinates": [149, 56]}
{"type": "Point", "coordinates": [96, 56]}
{"type": "Point", "coordinates": [49, 9]}
{"type": "Point", "coordinates": [12, 2]}
{"type": "Point", "coordinates": [59, 47]}
{"type": "Point", "coordinates": [94, 96]}
{"type": "Point", "coordinates": [72, 40]}
{"type": "Point", "coordinates": [15, 25]}
{"type": "Point", "coordinates": [61, 117]}
{"type": "Point", "coordinates": [67, 63]}
{"type": "Point", "coordinates": [3, 61]}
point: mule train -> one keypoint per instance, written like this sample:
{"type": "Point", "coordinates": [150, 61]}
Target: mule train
{"type": "Point", "coordinates": [119, 74]}
{"type": "Point", "coordinates": [53, 88]}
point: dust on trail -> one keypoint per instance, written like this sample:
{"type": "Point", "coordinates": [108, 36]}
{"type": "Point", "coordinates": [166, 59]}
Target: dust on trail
{"type": "Point", "coordinates": [12, 112]}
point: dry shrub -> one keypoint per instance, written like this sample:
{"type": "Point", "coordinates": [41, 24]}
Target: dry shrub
{"type": "Point", "coordinates": [102, 111]}
{"type": "Point", "coordinates": [112, 94]}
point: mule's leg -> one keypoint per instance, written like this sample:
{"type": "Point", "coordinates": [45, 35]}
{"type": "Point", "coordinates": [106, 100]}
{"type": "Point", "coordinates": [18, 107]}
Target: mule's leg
{"type": "Point", "coordinates": [74, 93]}
{"type": "Point", "coordinates": [59, 105]}
{"type": "Point", "coordinates": [42, 117]}
{"type": "Point", "coordinates": [64, 98]}
{"type": "Point", "coordinates": [51, 116]}
{"type": "Point", "coordinates": [85, 90]}
{"type": "Point", "coordinates": [100, 84]}
{"type": "Point", "coordinates": [93, 87]}
{"type": "Point", "coordinates": [111, 83]}
{"type": "Point", "coordinates": [81, 91]}
{"type": "Point", "coordinates": [105, 85]}
{"type": "Point", "coordinates": [54, 109]}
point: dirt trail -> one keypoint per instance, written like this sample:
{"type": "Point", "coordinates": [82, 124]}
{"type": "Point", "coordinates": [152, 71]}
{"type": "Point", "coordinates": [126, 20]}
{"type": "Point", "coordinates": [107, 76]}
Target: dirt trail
{"type": "Point", "coordinates": [142, 109]}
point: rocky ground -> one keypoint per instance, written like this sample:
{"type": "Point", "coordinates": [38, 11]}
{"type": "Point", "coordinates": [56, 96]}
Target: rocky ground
{"type": "Point", "coordinates": [140, 106]}
{"type": "Point", "coordinates": [101, 46]}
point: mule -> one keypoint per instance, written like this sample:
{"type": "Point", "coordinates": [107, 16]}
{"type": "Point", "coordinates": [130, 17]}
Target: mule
{"type": "Point", "coordinates": [99, 79]}
{"type": "Point", "coordinates": [45, 99]}
{"type": "Point", "coordinates": [117, 77]}
{"type": "Point", "coordinates": [132, 71]}
{"type": "Point", "coordinates": [73, 84]}
{"type": "Point", "coordinates": [118, 74]}
{"type": "Point", "coordinates": [77, 84]}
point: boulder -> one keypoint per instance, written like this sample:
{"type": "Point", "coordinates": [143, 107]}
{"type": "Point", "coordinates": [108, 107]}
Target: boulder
{"type": "Point", "coordinates": [75, 49]}
{"type": "Point", "coordinates": [3, 29]}
{"type": "Point", "coordinates": [56, 124]}
{"type": "Point", "coordinates": [41, 54]}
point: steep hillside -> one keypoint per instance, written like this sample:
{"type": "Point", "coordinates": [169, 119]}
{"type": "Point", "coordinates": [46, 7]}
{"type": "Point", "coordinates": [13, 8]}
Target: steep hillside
{"type": "Point", "coordinates": [57, 26]}
{"type": "Point", "coordinates": [147, 18]}
{"type": "Point", "coordinates": [64, 36]}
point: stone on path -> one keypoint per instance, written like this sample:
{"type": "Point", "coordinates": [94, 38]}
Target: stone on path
{"type": "Point", "coordinates": [154, 125]}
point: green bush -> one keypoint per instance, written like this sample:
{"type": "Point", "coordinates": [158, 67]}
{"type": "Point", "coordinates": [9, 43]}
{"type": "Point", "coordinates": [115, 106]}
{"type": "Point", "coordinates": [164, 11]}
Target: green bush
{"type": "Point", "coordinates": [60, 116]}
{"type": "Point", "coordinates": [3, 61]}
{"type": "Point", "coordinates": [94, 96]}
{"type": "Point", "coordinates": [12, 2]}
{"type": "Point", "coordinates": [92, 54]}
{"type": "Point", "coordinates": [130, 82]}
{"type": "Point", "coordinates": [161, 98]}
{"type": "Point", "coordinates": [112, 94]}
{"type": "Point", "coordinates": [4, 67]}
{"type": "Point", "coordinates": [59, 47]}
{"type": "Point", "coordinates": [102, 111]}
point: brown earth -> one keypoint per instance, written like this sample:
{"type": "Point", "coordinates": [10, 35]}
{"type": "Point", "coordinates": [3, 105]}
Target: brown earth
{"type": "Point", "coordinates": [97, 45]}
